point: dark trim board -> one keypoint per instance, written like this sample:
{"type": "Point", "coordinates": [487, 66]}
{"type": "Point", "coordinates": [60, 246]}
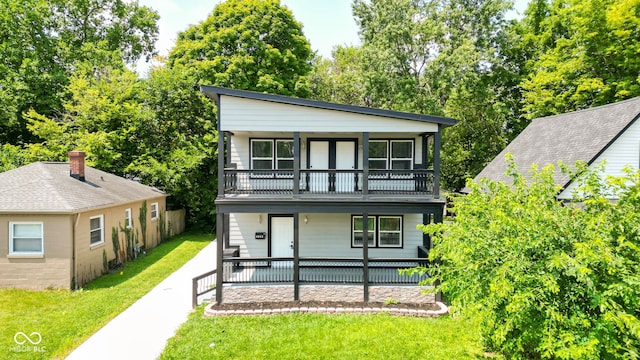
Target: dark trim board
{"type": "Point", "coordinates": [215, 93]}
{"type": "Point", "coordinates": [329, 206]}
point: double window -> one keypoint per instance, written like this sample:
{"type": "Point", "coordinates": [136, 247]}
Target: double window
{"type": "Point", "coordinates": [383, 231]}
{"type": "Point", "coordinates": [390, 154]}
{"type": "Point", "coordinates": [271, 154]}
{"type": "Point", "coordinates": [96, 225]}
{"type": "Point", "coordinates": [26, 238]}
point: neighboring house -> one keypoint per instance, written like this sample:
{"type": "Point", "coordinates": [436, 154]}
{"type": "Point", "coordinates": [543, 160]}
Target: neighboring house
{"type": "Point", "coordinates": [300, 178]}
{"type": "Point", "coordinates": [609, 133]}
{"type": "Point", "coordinates": [56, 221]}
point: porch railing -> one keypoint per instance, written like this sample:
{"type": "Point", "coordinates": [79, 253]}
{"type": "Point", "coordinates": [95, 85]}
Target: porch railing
{"type": "Point", "coordinates": [320, 270]}
{"type": "Point", "coordinates": [202, 284]}
{"type": "Point", "coordinates": [277, 182]}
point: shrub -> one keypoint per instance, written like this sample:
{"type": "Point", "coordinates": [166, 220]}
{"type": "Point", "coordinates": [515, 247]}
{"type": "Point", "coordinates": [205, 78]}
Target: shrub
{"type": "Point", "coordinates": [548, 280]}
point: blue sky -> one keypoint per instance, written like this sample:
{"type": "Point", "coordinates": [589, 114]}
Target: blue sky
{"type": "Point", "coordinates": [326, 23]}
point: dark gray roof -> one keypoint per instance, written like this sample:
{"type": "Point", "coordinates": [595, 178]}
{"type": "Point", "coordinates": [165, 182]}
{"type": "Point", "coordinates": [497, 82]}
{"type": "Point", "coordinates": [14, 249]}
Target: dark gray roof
{"type": "Point", "coordinates": [580, 135]}
{"type": "Point", "coordinates": [46, 187]}
{"type": "Point", "coordinates": [214, 93]}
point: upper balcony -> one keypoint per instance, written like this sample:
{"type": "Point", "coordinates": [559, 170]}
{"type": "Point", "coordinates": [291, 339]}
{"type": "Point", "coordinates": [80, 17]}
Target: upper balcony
{"type": "Point", "coordinates": [279, 147]}
{"type": "Point", "coordinates": [328, 182]}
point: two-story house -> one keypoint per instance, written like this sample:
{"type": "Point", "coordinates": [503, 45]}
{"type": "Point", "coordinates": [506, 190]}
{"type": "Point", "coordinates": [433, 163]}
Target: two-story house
{"type": "Point", "coordinates": [302, 183]}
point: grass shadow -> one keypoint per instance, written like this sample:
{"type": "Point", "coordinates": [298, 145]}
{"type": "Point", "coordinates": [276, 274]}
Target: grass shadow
{"type": "Point", "coordinates": [133, 268]}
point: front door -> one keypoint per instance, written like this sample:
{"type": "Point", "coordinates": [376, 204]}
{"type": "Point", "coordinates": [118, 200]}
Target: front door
{"type": "Point", "coordinates": [282, 239]}
{"type": "Point", "coordinates": [326, 155]}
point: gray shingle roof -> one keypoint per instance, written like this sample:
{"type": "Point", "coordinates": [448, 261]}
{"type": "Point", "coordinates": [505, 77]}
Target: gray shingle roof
{"type": "Point", "coordinates": [580, 135]}
{"type": "Point", "coordinates": [47, 187]}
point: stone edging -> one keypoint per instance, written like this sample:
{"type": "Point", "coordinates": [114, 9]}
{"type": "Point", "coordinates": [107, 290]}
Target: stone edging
{"type": "Point", "coordinates": [211, 311]}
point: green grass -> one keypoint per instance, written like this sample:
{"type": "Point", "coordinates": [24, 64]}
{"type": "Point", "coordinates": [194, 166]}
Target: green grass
{"type": "Point", "coordinates": [320, 336]}
{"type": "Point", "coordinates": [66, 318]}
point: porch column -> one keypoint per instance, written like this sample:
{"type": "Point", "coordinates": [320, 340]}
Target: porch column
{"type": "Point", "coordinates": [221, 157]}
{"type": "Point", "coordinates": [365, 255]}
{"type": "Point", "coordinates": [436, 163]}
{"type": "Point", "coordinates": [426, 239]}
{"type": "Point", "coordinates": [437, 218]}
{"type": "Point", "coordinates": [296, 256]}
{"type": "Point", "coordinates": [365, 164]}
{"type": "Point", "coordinates": [296, 163]}
{"type": "Point", "coordinates": [219, 263]}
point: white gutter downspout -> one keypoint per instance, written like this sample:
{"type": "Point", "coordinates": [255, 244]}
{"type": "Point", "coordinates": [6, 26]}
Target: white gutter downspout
{"type": "Point", "coordinates": [73, 252]}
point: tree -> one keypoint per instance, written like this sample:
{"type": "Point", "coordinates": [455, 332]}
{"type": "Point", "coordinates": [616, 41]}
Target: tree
{"type": "Point", "coordinates": [250, 45]}
{"type": "Point", "coordinates": [43, 43]}
{"type": "Point", "coordinates": [340, 79]}
{"type": "Point", "coordinates": [589, 55]}
{"type": "Point", "coordinates": [438, 57]}
{"type": "Point", "coordinates": [547, 280]}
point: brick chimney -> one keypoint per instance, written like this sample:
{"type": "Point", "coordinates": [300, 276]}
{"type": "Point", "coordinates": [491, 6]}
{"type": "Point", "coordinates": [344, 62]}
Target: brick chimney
{"type": "Point", "coordinates": [76, 164]}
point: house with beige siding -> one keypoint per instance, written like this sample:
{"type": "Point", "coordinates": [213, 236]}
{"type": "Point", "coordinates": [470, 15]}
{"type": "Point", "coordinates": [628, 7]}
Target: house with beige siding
{"type": "Point", "coordinates": [318, 192]}
{"type": "Point", "coordinates": [57, 220]}
{"type": "Point", "coordinates": [607, 136]}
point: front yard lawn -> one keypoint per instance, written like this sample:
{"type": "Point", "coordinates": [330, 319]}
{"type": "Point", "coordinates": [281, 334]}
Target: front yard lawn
{"type": "Point", "coordinates": [66, 318]}
{"type": "Point", "coordinates": [319, 336]}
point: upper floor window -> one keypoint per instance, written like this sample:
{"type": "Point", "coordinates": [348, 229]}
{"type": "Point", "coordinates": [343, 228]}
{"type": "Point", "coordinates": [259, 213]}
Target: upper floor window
{"type": "Point", "coordinates": [26, 238]}
{"type": "Point", "coordinates": [391, 154]}
{"type": "Point", "coordinates": [154, 211]}
{"type": "Point", "coordinates": [269, 154]}
{"type": "Point", "coordinates": [96, 226]}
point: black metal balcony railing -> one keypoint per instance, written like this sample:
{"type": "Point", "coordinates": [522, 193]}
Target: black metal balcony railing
{"type": "Point", "coordinates": [319, 270]}
{"type": "Point", "coordinates": [280, 182]}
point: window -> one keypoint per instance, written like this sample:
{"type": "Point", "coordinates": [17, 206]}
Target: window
{"type": "Point", "coordinates": [154, 211]}
{"type": "Point", "coordinates": [26, 238]}
{"type": "Point", "coordinates": [127, 218]}
{"type": "Point", "coordinates": [391, 154]}
{"type": "Point", "coordinates": [358, 231]}
{"type": "Point", "coordinates": [384, 231]}
{"type": "Point", "coordinates": [401, 154]}
{"type": "Point", "coordinates": [265, 157]}
{"type": "Point", "coordinates": [96, 224]}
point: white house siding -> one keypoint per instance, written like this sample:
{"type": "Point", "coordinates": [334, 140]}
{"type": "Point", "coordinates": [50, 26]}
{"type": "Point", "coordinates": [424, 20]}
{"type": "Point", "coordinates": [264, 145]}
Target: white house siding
{"type": "Point", "coordinates": [625, 151]}
{"type": "Point", "coordinates": [242, 229]}
{"type": "Point", "coordinates": [239, 114]}
{"type": "Point", "coordinates": [241, 153]}
{"type": "Point", "coordinates": [324, 235]}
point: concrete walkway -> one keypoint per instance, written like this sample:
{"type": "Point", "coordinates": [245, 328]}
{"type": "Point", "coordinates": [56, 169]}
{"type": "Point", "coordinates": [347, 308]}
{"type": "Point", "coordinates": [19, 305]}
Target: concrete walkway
{"type": "Point", "coordinates": [142, 330]}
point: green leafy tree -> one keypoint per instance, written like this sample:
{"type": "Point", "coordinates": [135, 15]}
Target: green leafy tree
{"type": "Point", "coordinates": [548, 280]}
{"type": "Point", "coordinates": [341, 78]}
{"type": "Point", "coordinates": [588, 56]}
{"type": "Point", "coordinates": [250, 45]}
{"type": "Point", "coordinates": [437, 57]}
{"type": "Point", "coordinates": [44, 42]}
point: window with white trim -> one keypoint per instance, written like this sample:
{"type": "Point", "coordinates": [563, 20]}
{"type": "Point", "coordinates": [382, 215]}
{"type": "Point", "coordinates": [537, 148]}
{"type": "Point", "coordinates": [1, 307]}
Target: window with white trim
{"type": "Point", "coordinates": [26, 238]}
{"type": "Point", "coordinates": [154, 211]}
{"type": "Point", "coordinates": [264, 156]}
{"type": "Point", "coordinates": [127, 218]}
{"type": "Point", "coordinates": [96, 229]}
{"type": "Point", "coordinates": [391, 154]}
{"type": "Point", "coordinates": [385, 231]}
